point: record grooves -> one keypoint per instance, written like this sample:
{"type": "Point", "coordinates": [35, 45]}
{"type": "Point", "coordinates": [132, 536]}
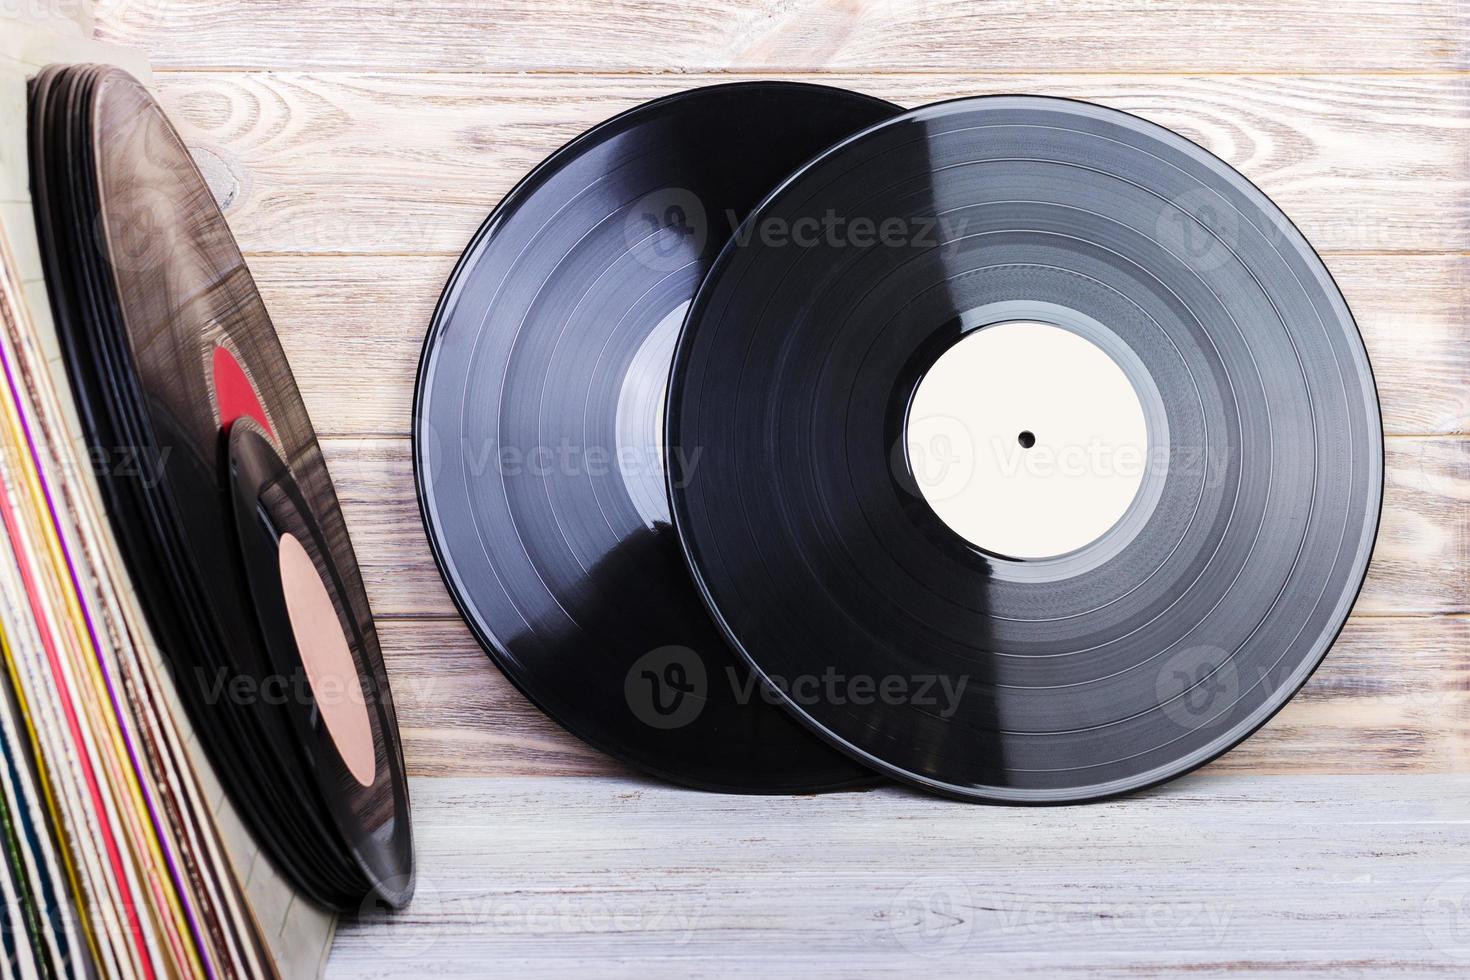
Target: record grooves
{"type": "Point", "coordinates": [538, 434]}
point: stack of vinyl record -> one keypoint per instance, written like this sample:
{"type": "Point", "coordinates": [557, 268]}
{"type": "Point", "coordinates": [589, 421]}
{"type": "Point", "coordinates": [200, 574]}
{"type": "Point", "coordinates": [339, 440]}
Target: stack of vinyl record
{"type": "Point", "coordinates": [772, 438]}
{"type": "Point", "coordinates": [229, 521]}
{"type": "Point", "coordinates": [177, 569]}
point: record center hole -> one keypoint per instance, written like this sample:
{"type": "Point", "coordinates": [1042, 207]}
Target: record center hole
{"type": "Point", "coordinates": [1027, 439]}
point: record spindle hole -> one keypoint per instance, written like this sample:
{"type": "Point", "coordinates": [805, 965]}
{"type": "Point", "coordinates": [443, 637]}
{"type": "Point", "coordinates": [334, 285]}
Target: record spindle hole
{"type": "Point", "coordinates": [975, 456]}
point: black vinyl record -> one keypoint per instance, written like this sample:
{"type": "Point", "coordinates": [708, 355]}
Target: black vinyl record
{"type": "Point", "coordinates": [538, 432]}
{"type": "Point", "coordinates": [1092, 667]}
{"type": "Point", "coordinates": [216, 488]}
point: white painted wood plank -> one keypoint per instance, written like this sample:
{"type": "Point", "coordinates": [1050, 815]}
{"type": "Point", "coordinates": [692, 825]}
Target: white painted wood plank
{"type": "Point", "coordinates": [792, 35]}
{"type": "Point", "coordinates": [1210, 876]}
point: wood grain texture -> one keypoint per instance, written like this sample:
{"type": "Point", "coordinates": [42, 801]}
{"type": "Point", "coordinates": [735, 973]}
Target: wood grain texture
{"type": "Point", "coordinates": [1418, 566]}
{"type": "Point", "coordinates": [332, 163]}
{"type": "Point", "coordinates": [1411, 309]}
{"type": "Point", "coordinates": [1392, 696]}
{"type": "Point", "coordinates": [1166, 883]}
{"type": "Point", "coordinates": [792, 35]}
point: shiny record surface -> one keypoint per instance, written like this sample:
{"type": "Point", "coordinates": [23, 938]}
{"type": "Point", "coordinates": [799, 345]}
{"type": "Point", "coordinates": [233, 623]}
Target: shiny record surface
{"type": "Point", "coordinates": [538, 431]}
{"type": "Point", "coordinates": [1125, 657]}
{"type": "Point", "coordinates": [170, 352]}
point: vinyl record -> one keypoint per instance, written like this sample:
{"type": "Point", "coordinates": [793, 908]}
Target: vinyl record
{"type": "Point", "coordinates": [1050, 473]}
{"type": "Point", "coordinates": [538, 432]}
{"type": "Point", "coordinates": [173, 360]}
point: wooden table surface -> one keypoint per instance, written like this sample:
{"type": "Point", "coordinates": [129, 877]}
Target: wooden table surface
{"type": "Point", "coordinates": [357, 145]}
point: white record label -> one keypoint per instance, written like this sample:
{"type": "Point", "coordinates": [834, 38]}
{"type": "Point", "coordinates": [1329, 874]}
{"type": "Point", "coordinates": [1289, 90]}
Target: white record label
{"type": "Point", "coordinates": [1027, 439]}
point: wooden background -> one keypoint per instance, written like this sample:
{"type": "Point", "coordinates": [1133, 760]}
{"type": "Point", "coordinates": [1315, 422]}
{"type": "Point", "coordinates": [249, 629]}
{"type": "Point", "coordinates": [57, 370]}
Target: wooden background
{"type": "Point", "coordinates": [356, 145]}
